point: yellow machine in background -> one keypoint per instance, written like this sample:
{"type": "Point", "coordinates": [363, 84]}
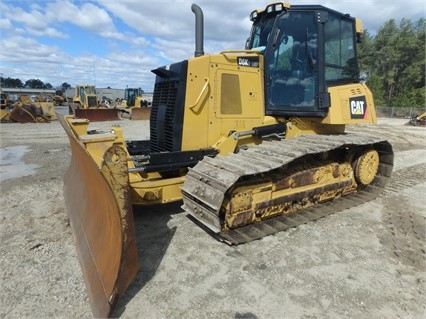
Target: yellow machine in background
{"type": "Point", "coordinates": [418, 120]}
{"type": "Point", "coordinates": [4, 100]}
{"type": "Point", "coordinates": [58, 98]}
{"type": "Point", "coordinates": [26, 110]}
{"type": "Point", "coordinates": [138, 106]}
{"type": "Point", "coordinates": [253, 141]}
{"type": "Point", "coordinates": [86, 104]}
{"type": "Point", "coordinates": [85, 96]}
{"type": "Point", "coordinates": [4, 107]}
{"type": "Point", "coordinates": [44, 107]}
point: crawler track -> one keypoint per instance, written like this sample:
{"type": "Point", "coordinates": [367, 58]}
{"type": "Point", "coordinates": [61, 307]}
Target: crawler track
{"type": "Point", "coordinates": [208, 183]}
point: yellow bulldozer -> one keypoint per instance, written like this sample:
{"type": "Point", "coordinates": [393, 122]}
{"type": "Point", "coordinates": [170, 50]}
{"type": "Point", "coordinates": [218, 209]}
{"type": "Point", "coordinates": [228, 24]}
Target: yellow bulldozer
{"type": "Point", "coordinates": [4, 107]}
{"type": "Point", "coordinates": [134, 102]}
{"type": "Point", "coordinates": [86, 104]}
{"type": "Point", "coordinates": [252, 141]}
{"type": "Point", "coordinates": [58, 98]}
{"type": "Point", "coordinates": [37, 109]}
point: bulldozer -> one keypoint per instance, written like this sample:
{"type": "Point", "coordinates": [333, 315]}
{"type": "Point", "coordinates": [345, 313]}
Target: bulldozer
{"type": "Point", "coordinates": [85, 104]}
{"type": "Point", "coordinates": [252, 142]}
{"type": "Point", "coordinates": [58, 98]}
{"type": "Point", "coordinates": [36, 109]}
{"type": "Point", "coordinates": [138, 106]}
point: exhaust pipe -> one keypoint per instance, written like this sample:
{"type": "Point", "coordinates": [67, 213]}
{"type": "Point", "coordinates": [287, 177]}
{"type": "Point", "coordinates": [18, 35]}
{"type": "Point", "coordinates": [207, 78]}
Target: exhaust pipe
{"type": "Point", "coordinates": [199, 30]}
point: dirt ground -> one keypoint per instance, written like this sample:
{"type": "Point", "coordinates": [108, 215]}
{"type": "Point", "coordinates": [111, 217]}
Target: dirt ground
{"type": "Point", "coordinates": [365, 262]}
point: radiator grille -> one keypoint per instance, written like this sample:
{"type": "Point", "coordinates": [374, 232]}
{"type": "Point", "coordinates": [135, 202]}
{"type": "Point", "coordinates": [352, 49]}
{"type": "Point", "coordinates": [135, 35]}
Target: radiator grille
{"type": "Point", "coordinates": [162, 116]}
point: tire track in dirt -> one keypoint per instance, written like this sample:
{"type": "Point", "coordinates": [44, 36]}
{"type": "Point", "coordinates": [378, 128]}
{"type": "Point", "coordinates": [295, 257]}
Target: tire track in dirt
{"type": "Point", "coordinates": [405, 178]}
{"type": "Point", "coordinates": [395, 133]}
{"type": "Point", "coordinates": [405, 236]}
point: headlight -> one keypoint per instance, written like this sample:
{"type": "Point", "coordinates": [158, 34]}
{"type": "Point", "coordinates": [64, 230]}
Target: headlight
{"type": "Point", "coordinates": [253, 15]}
{"type": "Point", "coordinates": [277, 7]}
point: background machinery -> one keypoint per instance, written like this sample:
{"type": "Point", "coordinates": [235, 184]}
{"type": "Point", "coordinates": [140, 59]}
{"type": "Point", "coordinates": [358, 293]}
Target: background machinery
{"type": "Point", "coordinates": [253, 141]}
{"type": "Point", "coordinates": [418, 120]}
{"type": "Point", "coordinates": [138, 106]}
{"type": "Point", "coordinates": [4, 107]}
{"type": "Point", "coordinates": [85, 104]}
{"type": "Point", "coordinates": [37, 109]}
{"type": "Point", "coordinates": [85, 96]}
{"type": "Point", "coordinates": [58, 98]}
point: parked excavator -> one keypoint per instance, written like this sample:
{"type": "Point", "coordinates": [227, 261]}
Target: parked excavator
{"type": "Point", "coordinates": [253, 141]}
{"type": "Point", "coordinates": [135, 104]}
{"type": "Point", "coordinates": [86, 104]}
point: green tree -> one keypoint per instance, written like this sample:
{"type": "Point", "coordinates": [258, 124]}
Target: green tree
{"type": "Point", "coordinates": [394, 61]}
{"type": "Point", "coordinates": [410, 90]}
{"type": "Point", "coordinates": [365, 53]}
{"type": "Point", "coordinates": [11, 83]}
{"type": "Point", "coordinates": [386, 59]}
{"type": "Point", "coordinates": [34, 84]}
{"type": "Point", "coordinates": [65, 86]}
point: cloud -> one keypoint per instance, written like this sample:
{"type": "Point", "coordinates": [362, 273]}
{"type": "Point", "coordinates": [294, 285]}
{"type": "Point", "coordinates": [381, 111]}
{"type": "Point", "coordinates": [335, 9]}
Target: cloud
{"type": "Point", "coordinates": [19, 49]}
{"type": "Point", "coordinates": [158, 19]}
{"type": "Point", "coordinates": [33, 21]}
{"type": "Point", "coordinates": [117, 42]}
{"type": "Point", "coordinates": [5, 25]}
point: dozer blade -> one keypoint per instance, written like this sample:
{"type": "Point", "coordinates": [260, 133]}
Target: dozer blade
{"type": "Point", "coordinates": [97, 115]}
{"type": "Point", "coordinates": [101, 218]}
{"type": "Point", "coordinates": [22, 115]}
{"type": "Point", "coordinates": [140, 113]}
{"type": "Point", "coordinates": [4, 115]}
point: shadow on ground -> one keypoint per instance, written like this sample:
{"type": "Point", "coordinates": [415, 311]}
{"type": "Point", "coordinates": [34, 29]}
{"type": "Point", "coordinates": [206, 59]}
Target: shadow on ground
{"type": "Point", "coordinates": [153, 237]}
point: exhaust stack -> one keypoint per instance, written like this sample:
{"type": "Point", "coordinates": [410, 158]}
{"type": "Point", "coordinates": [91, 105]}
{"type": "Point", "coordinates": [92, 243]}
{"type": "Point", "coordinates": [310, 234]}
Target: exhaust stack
{"type": "Point", "coordinates": [199, 30]}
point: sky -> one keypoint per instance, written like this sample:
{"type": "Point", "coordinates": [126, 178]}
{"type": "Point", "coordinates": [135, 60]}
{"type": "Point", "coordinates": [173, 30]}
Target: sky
{"type": "Point", "coordinates": [116, 43]}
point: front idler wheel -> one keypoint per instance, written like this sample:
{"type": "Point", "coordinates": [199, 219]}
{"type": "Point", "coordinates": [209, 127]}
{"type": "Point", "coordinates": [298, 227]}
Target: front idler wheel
{"type": "Point", "coordinates": [366, 167]}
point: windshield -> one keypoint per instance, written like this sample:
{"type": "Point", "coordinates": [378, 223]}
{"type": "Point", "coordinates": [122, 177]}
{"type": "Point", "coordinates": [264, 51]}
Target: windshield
{"type": "Point", "coordinates": [90, 90]}
{"type": "Point", "coordinates": [130, 96]}
{"type": "Point", "coordinates": [260, 33]}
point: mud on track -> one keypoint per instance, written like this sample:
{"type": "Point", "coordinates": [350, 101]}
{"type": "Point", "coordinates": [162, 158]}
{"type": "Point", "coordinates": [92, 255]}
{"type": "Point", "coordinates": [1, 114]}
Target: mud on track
{"type": "Point", "coordinates": [364, 262]}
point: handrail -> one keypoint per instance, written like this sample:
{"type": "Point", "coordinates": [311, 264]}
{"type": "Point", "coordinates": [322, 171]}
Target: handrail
{"type": "Point", "coordinates": [240, 51]}
{"type": "Point", "coordinates": [203, 90]}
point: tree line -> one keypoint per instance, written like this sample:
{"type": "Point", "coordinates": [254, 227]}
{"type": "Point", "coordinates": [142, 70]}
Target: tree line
{"type": "Point", "coordinates": [393, 62]}
{"type": "Point", "coordinates": [30, 84]}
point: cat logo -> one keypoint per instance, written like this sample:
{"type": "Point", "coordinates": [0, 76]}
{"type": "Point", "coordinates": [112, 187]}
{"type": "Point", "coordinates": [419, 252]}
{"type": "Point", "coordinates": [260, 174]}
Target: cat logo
{"type": "Point", "coordinates": [358, 107]}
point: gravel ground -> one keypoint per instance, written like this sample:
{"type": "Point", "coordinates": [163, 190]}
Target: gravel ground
{"type": "Point", "coordinates": [365, 262]}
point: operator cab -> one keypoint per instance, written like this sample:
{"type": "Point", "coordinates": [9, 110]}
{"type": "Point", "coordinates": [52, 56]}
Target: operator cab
{"type": "Point", "coordinates": [130, 95]}
{"type": "Point", "coordinates": [306, 50]}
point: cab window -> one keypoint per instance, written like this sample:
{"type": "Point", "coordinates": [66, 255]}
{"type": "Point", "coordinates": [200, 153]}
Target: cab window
{"type": "Point", "coordinates": [340, 62]}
